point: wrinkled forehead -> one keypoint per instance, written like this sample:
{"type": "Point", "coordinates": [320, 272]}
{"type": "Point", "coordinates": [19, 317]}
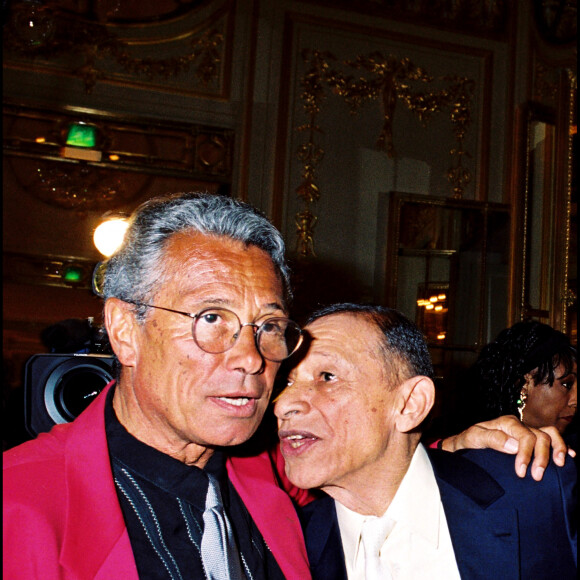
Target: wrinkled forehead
{"type": "Point", "coordinates": [357, 339]}
{"type": "Point", "coordinates": [345, 327]}
{"type": "Point", "coordinates": [192, 259]}
{"type": "Point", "coordinates": [346, 336]}
{"type": "Point", "coordinates": [191, 244]}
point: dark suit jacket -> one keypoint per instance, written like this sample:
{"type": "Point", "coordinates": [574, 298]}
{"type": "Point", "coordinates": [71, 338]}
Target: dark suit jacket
{"type": "Point", "coordinates": [501, 526]}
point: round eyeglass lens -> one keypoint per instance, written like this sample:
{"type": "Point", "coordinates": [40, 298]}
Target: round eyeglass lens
{"type": "Point", "coordinates": [278, 338]}
{"type": "Point", "coordinates": [216, 330]}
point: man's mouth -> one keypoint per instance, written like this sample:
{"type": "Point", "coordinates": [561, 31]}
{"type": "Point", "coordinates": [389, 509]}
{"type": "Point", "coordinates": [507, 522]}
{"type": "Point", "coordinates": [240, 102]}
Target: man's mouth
{"type": "Point", "coordinates": [241, 406]}
{"type": "Point", "coordinates": [296, 439]}
{"type": "Point", "coordinates": [235, 401]}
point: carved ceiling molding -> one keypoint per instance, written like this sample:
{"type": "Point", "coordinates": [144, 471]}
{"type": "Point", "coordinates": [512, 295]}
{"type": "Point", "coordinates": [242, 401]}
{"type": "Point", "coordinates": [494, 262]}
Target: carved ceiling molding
{"type": "Point", "coordinates": [546, 79]}
{"type": "Point", "coordinates": [48, 270]}
{"type": "Point", "coordinates": [389, 79]}
{"type": "Point", "coordinates": [196, 48]}
{"type": "Point", "coordinates": [557, 20]}
{"type": "Point", "coordinates": [490, 18]}
{"type": "Point", "coordinates": [118, 168]}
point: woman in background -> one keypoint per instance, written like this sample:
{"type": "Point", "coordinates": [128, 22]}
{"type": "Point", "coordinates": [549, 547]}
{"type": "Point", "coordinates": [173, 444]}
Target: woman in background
{"type": "Point", "coordinates": [529, 371]}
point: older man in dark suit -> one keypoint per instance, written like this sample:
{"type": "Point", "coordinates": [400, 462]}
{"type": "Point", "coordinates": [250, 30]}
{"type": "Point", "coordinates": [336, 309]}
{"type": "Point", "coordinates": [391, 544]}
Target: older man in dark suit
{"type": "Point", "coordinates": [350, 424]}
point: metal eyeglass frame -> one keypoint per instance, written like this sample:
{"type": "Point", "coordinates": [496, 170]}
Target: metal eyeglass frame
{"type": "Point", "coordinates": [258, 327]}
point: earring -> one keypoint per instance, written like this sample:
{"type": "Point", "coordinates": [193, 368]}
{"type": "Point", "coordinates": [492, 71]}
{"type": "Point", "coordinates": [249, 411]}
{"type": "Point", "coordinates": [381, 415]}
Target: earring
{"type": "Point", "coordinates": [521, 403]}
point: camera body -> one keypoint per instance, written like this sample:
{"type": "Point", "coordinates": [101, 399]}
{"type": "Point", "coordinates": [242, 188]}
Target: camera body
{"type": "Point", "coordinates": [58, 387]}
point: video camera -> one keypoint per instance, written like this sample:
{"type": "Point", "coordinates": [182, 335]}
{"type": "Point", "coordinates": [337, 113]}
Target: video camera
{"type": "Point", "coordinates": [59, 385]}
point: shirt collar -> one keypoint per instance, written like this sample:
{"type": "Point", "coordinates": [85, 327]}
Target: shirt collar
{"type": "Point", "coordinates": [417, 501]}
{"type": "Point", "coordinates": [350, 525]}
{"type": "Point", "coordinates": [171, 475]}
{"type": "Point", "coordinates": [416, 506]}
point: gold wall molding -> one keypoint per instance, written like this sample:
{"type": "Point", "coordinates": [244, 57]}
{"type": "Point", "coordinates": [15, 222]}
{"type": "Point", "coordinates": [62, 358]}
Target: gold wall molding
{"type": "Point", "coordinates": [569, 292]}
{"type": "Point", "coordinates": [390, 80]}
{"type": "Point", "coordinates": [546, 83]}
{"type": "Point", "coordinates": [490, 18]}
{"type": "Point", "coordinates": [196, 48]}
{"type": "Point", "coordinates": [132, 152]}
{"type": "Point", "coordinates": [48, 270]}
{"type": "Point", "coordinates": [545, 238]}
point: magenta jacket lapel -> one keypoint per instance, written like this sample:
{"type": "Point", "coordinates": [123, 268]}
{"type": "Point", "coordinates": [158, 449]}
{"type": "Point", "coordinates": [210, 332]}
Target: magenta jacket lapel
{"type": "Point", "coordinates": [272, 511]}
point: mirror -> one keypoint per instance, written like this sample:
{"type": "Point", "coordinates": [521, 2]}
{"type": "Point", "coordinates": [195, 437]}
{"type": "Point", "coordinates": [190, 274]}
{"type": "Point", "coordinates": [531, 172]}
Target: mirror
{"type": "Point", "coordinates": [448, 263]}
{"type": "Point", "coordinates": [538, 221]}
{"type": "Point", "coordinates": [546, 218]}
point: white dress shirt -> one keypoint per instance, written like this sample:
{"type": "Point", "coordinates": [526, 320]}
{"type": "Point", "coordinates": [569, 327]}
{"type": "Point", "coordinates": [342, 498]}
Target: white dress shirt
{"type": "Point", "coordinates": [419, 545]}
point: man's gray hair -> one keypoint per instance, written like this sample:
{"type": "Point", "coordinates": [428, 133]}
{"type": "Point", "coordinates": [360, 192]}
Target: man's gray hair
{"type": "Point", "coordinates": [135, 272]}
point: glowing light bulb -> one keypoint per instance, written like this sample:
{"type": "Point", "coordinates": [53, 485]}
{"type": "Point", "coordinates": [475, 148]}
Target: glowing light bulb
{"type": "Point", "coordinates": [109, 235]}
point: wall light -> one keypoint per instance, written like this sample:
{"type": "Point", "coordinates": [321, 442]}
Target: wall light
{"type": "Point", "coordinates": [109, 234]}
{"type": "Point", "coordinates": [81, 142]}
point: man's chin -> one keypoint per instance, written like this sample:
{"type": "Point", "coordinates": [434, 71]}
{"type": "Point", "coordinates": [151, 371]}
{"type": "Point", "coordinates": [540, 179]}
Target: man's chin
{"type": "Point", "coordinates": [303, 478]}
{"type": "Point", "coordinates": [238, 434]}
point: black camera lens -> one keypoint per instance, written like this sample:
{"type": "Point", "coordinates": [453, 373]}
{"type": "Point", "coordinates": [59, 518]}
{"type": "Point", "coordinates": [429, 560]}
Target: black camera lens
{"type": "Point", "coordinates": [73, 384]}
{"type": "Point", "coordinates": [77, 389]}
{"type": "Point", "coordinates": [59, 387]}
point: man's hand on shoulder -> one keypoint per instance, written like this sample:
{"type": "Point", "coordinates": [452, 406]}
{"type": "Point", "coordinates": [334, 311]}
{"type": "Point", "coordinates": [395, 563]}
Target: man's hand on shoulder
{"type": "Point", "coordinates": [509, 435]}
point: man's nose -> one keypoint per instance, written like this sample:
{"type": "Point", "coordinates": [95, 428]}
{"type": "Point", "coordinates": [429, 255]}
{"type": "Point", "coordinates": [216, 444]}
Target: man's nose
{"type": "Point", "coordinates": [293, 399]}
{"type": "Point", "coordinates": [244, 356]}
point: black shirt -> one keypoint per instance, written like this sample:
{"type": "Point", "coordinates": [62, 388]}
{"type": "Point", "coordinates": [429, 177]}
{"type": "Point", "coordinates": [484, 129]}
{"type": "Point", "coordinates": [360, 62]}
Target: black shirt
{"type": "Point", "coordinates": [163, 501]}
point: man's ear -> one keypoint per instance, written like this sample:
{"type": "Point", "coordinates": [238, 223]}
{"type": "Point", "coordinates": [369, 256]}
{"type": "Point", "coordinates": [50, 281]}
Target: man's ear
{"type": "Point", "coordinates": [121, 328]}
{"type": "Point", "coordinates": [417, 396]}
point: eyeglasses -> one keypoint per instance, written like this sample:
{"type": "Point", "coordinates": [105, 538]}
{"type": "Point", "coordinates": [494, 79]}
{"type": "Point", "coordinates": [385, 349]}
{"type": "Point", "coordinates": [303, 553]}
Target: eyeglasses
{"type": "Point", "coordinates": [216, 330]}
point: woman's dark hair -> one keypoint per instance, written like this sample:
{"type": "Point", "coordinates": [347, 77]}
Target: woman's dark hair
{"type": "Point", "coordinates": [498, 375]}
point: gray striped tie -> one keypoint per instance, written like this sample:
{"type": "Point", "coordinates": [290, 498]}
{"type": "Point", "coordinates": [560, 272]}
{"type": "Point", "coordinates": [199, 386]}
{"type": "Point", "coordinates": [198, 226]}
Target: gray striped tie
{"type": "Point", "coordinates": [219, 553]}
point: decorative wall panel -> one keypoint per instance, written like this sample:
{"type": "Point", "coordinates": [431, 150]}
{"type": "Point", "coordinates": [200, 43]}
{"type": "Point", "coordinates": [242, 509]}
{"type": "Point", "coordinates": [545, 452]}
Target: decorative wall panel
{"type": "Point", "coordinates": [185, 48]}
{"type": "Point", "coordinates": [371, 110]}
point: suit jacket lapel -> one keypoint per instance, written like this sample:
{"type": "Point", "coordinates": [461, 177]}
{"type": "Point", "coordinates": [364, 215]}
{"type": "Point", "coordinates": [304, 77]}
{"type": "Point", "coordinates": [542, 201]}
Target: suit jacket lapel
{"type": "Point", "coordinates": [96, 539]}
{"type": "Point", "coordinates": [485, 537]}
{"type": "Point", "coordinates": [255, 482]}
{"type": "Point", "coordinates": [323, 541]}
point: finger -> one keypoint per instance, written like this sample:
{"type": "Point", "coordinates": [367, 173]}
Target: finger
{"type": "Point", "coordinates": [559, 447]}
{"type": "Point", "coordinates": [524, 437]}
{"type": "Point", "coordinates": [542, 452]}
{"type": "Point", "coordinates": [525, 452]}
{"type": "Point", "coordinates": [508, 424]}
{"type": "Point", "coordinates": [480, 437]}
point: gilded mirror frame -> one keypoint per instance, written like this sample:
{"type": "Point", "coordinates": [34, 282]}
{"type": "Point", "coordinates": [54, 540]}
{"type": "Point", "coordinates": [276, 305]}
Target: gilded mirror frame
{"type": "Point", "coordinates": [459, 248]}
{"type": "Point", "coordinates": [544, 278]}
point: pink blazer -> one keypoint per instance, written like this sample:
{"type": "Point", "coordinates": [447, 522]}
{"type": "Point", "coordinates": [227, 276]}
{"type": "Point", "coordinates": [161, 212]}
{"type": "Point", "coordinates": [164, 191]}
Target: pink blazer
{"type": "Point", "coordinates": [62, 520]}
